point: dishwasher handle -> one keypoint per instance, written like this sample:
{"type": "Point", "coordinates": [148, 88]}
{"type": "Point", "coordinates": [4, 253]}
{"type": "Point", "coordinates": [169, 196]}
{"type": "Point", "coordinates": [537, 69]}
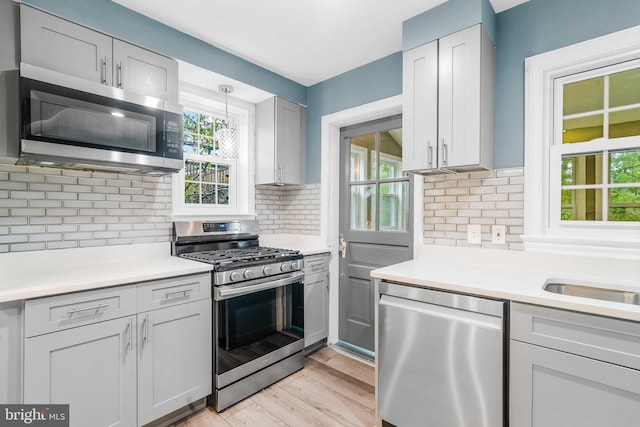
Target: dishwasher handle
{"type": "Point", "coordinates": [455, 315]}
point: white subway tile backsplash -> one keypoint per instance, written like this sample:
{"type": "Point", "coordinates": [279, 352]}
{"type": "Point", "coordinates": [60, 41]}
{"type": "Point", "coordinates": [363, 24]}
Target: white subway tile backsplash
{"type": "Point", "coordinates": [486, 198]}
{"type": "Point", "coordinates": [45, 208]}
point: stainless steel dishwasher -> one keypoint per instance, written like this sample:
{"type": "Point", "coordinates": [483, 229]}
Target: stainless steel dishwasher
{"type": "Point", "coordinates": [441, 358]}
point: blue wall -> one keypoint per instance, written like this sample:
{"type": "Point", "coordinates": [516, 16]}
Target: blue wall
{"type": "Point", "coordinates": [371, 82]}
{"type": "Point", "coordinates": [120, 22]}
{"type": "Point", "coordinates": [533, 28]}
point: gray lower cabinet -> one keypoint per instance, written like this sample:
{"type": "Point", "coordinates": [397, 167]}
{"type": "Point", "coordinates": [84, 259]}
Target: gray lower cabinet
{"type": "Point", "coordinates": [120, 356]}
{"type": "Point", "coordinates": [572, 369]}
{"type": "Point", "coordinates": [173, 358]}
{"type": "Point", "coordinates": [316, 298]}
{"type": "Point", "coordinates": [92, 368]}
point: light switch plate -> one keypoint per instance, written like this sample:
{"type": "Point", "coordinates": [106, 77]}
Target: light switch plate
{"type": "Point", "coordinates": [474, 234]}
{"type": "Point", "coordinates": [497, 235]}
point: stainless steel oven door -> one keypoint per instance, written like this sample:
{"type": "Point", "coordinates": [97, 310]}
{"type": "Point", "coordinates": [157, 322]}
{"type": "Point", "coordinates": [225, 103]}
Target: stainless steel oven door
{"type": "Point", "coordinates": [258, 323]}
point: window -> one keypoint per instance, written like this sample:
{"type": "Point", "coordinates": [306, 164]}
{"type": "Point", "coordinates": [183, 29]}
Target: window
{"type": "Point", "coordinates": [582, 148]}
{"type": "Point", "coordinates": [209, 185]}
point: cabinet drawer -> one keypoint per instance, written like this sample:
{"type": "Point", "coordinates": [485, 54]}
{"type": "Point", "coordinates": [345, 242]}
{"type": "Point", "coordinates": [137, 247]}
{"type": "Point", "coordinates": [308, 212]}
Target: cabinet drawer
{"type": "Point", "coordinates": [44, 315]}
{"type": "Point", "coordinates": [173, 291]}
{"type": "Point", "coordinates": [316, 264]}
{"type": "Point", "coordinates": [602, 338]}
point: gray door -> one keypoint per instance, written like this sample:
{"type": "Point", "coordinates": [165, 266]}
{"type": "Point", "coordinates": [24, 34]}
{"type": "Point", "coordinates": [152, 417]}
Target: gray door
{"type": "Point", "coordinates": [375, 220]}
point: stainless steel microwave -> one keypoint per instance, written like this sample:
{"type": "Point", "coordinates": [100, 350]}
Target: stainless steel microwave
{"type": "Point", "coordinates": [64, 127]}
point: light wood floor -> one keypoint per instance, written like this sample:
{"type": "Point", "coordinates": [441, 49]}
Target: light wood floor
{"type": "Point", "coordinates": [332, 390]}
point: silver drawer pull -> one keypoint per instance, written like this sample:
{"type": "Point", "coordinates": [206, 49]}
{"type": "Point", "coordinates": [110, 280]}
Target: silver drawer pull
{"type": "Point", "coordinates": [178, 294]}
{"type": "Point", "coordinates": [95, 309]}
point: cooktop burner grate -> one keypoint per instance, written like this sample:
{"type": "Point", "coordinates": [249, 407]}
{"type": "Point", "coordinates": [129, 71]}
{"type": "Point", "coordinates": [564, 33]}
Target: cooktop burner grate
{"type": "Point", "coordinates": [242, 255]}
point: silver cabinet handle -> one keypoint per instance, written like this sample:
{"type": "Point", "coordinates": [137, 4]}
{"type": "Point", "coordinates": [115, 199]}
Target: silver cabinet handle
{"type": "Point", "coordinates": [119, 74]}
{"type": "Point", "coordinates": [444, 153]}
{"type": "Point", "coordinates": [130, 340]}
{"type": "Point", "coordinates": [95, 310]}
{"type": "Point", "coordinates": [179, 294]}
{"type": "Point", "coordinates": [429, 154]}
{"type": "Point", "coordinates": [280, 173]}
{"type": "Point", "coordinates": [104, 71]}
{"type": "Point", "coordinates": [145, 329]}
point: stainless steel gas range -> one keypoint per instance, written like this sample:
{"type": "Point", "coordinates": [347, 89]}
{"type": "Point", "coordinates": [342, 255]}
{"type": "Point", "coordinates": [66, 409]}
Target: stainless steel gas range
{"type": "Point", "coordinates": [258, 302]}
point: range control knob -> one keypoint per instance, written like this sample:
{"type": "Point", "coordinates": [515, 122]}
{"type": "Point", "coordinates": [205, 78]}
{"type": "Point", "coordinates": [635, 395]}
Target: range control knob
{"type": "Point", "coordinates": [284, 266]}
{"type": "Point", "coordinates": [267, 270]}
{"type": "Point", "coordinates": [294, 265]}
{"type": "Point", "coordinates": [234, 276]}
{"type": "Point", "coordinates": [248, 274]}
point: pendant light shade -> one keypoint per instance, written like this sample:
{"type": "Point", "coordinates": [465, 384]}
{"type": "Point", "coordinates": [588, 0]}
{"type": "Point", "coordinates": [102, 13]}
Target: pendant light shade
{"type": "Point", "coordinates": [227, 137]}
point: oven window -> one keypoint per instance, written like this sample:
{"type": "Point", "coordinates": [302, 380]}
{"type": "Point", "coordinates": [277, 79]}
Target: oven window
{"type": "Point", "coordinates": [251, 326]}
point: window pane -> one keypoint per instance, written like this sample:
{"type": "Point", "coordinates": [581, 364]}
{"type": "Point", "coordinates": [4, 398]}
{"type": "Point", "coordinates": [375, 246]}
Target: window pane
{"type": "Point", "coordinates": [207, 146]}
{"type": "Point", "coordinates": [624, 123]}
{"type": "Point", "coordinates": [582, 170]}
{"type": "Point", "coordinates": [223, 174]}
{"type": "Point", "coordinates": [582, 129]}
{"type": "Point", "coordinates": [390, 154]}
{"type": "Point", "coordinates": [583, 96]}
{"type": "Point", "coordinates": [363, 207]}
{"type": "Point", "coordinates": [191, 170]}
{"type": "Point", "coordinates": [190, 121]}
{"type": "Point", "coordinates": [192, 192]}
{"type": "Point", "coordinates": [208, 194]}
{"type": "Point", "coordinates": [394, 215]}
{"type": "Point", "coordinates": [363, 150]}
{"type": "Point", "coordinates": [190, 143]}
{"type": "Point", "coordinates": [581, 205]}
{"type": "Point", "coordinates": [208, 172]}
{"type": "Point", "coordinates": [206, 125]}
{"type": "Point", "coordinates": [624, 167]}
{"type": "Point", "coordinates": [223, 195]}
{"type": "Point", "coordinates": [624, 204]}
{"type": "Point", "coordinates": [624, 88]}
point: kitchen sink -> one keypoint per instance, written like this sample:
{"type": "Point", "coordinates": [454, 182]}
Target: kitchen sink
{"type": "Point", "coordinates": [593, 292]}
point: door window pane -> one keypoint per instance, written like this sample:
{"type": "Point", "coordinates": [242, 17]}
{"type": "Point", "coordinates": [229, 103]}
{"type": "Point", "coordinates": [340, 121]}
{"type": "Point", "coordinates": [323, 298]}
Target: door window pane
{"type": "Point", "coordinates": [363, 150]}
{"type": "Point", "coordinates": [394, 213]}
{"type": "Point", "coordinates": [363, 207]}
{"type": "Point", "coordinates": [390, 154]}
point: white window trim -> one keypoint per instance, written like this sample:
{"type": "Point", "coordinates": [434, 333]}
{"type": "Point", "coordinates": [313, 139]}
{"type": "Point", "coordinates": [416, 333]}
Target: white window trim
{"type": "Point", "coordinates": [540, 72]}
{"type": "Point", "coordinates": [242, 200]}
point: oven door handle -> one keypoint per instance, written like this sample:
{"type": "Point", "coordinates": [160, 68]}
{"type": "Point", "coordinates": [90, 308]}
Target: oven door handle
{"type": "Point", "coordinates": [222, 294]}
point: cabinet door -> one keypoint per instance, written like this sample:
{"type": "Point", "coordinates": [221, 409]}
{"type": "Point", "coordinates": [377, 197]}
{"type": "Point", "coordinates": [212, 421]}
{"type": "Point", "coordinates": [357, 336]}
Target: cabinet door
{"type": "Point", "coordinates": [288, 142]}
{"type": "Point", "coordinates": [174, 358]}
{"type": "Point", "coordinates": [420, 108]}
{"type": "Point", "coordinates": [316, 307]}
{"type": "Point", "coordinates": [141, 71]}
{"type": "Point", "coordinates": [459, 98]}
{"type": "Point", "coordinates": [92, 368]}
{"type": "Point", "coordinates": [59, 45]}
{"type": "Point", "coordinates": [550, 388]}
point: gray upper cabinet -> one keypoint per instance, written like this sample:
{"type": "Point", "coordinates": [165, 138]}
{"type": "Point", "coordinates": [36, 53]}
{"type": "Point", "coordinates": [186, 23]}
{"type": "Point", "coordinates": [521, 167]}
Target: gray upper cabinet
{"type": "Point", "coordinates": [572, 369]}
{"type": "Point", "coordinates": [280, 142]}
{"type": "Point", "coordinates": [448, 104]}
{"type": "Point", "coordinates": [64, 47]}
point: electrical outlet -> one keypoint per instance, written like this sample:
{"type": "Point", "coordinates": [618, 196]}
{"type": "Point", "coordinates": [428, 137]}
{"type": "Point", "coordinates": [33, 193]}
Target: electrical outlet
{"type": "Point", "coordinates": [498, 235]}
{"type": "Point", "coordinates": [474, 234]}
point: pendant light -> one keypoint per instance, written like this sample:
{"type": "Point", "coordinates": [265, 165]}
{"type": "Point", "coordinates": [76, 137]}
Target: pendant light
{"type": "Point", "coordinates": [227, 137]}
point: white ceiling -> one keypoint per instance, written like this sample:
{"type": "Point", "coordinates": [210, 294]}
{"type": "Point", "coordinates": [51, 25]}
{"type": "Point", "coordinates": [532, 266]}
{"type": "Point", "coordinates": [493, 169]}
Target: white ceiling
{"type": "Point", "coordinates": [307, 41]}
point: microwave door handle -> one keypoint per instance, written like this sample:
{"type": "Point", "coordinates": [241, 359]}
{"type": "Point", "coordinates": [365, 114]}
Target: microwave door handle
{"type": "Point", "coordinates": [222, 294]}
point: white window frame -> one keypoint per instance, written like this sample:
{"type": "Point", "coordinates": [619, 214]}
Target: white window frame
{"type": "Point", "coordinates": [542, 233]}
{"type": "Point", "coordinates": [242, 191]}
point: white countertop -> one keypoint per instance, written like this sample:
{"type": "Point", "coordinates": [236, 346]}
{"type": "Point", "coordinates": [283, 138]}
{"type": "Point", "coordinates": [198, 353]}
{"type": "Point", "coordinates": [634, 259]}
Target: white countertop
{"type": "Point", "coordinates": [307, 244]}
{"type": "Point", "coordinates": [519, 277]}
{"type": "Point", "coordinates": [25, 275]}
